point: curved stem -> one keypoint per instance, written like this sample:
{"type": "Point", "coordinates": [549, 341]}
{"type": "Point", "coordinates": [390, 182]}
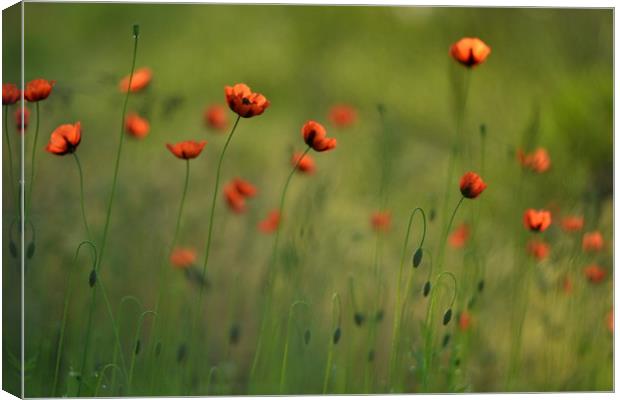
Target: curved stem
{"type": "Point", "coordinates": [79, 166]}
{"type": "Point", "coordinates": [102, 375]}
{"type": "Point", "coordinates": [210, 378]}
{"type": "Point", "coordinates": [32, 159]}
{"type": "Point", "coordinates": [9, 150]}
{"type": "Point", "coordinates": [399, 302]}
{"type": "Point", "coordinates": [135, 341]}
{"type": "Point", "coordinates": [109, 209]}
{"type": "Point", "coordinates": [335, 325]}
{"type": "Point", "coordinates": [446, 232]}
{"type": "Point", "coordinates": [286, 344]}
{"type": "Point", "coordinates": [272, 268]}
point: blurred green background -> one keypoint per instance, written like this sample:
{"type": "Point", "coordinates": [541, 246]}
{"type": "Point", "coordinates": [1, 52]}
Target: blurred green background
{"type": "Point", "coordinates": [547, 82]}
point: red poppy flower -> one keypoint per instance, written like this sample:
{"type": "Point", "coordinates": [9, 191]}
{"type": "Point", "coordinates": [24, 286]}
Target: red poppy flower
{"type": "Point", "coordinates": [271, 223]}
{"type": "Point", "coordinates": [470, 51]}
{"type": "Point", "coordinates": [536, 220]}
{"type": "Point", "coordinates": [137, 126]}
{"type": "Point", "coordinates": [538, 249]}
{"type": "Point", "coordinates": [380, 221]}
{"type": "Point", "coordinates": [244, 102]}
{"type": "Point", "coordinates": [236, 192]}
{"type": "Point", "coordinates": [65, 139]}
{"type": "Point", "coordinates": [459, 237]}
{"type": "Point", "coordinates": [610, 320]}
{"type": "Point", "coordinates": [182, 257]}
{"type": "Point", "coordinates": [315, 136]}
{"type": "Point", "coordinates": [18, 119]}
{"type": "Point", "coordinates": [594, 273]}
{"type": "Point", "coordinates": [187, 150]}
{"type": "Point", "coordinates": [472, 185]}
{"type": "Point", "coordinates": [593, 241]}
{"type": "Point", "coordinates": [141, 79]}
{"type": "Point", "coordinates": [567, 285]}
{"type": "Point", "coordinates": [215, 117]}
{"type": "Point", "coordinates": [572, 223]}
{"type": "Point", "coordinates": [464, 321]}
{"type": "Point", "coordinates": [10, 94]}
{"type": "Point", "coordinates": [538, 161]}
{"type": "Point", "coordinates": [306, 164]}
{"type": "Point", "coordinates": [38, 89]}
{"type": "Point", "coordinates": [342, 115]}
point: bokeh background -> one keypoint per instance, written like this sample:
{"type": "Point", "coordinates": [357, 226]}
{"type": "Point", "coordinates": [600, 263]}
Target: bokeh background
{"type": "Point", "coordinates": [547, 82]}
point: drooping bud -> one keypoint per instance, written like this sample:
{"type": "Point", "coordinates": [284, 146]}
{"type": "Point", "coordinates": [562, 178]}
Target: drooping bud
{"type": "Point", "coordinates": [371, 356]}
{"type": "Point", "coordinates": [137, 347]}
{"type": "Point", "coordinates": [481, 285]}
{"type": "Point", "coordinates": [359, 318]}
{"type": "Point", "coordinates": [30, 250]}
{"type": "Point", "coordinates": [234, 334]}
{"type": "Point", "coordinates": [446, 340]}
{"type": "Point", "coordinates": [417, 257]}
{"type": "Point", "coordinates": [337, 334]}
{"type": "Point", "coordinates": [13, 249]}
{"type": "Point", "coordinates": [427, 288]}
{"type": "Point", "coordinates": [92, 278]}
{"type": "Point", "coordinates": [307, 336]}
{"type": "Point", "coordinates": [447, 316]}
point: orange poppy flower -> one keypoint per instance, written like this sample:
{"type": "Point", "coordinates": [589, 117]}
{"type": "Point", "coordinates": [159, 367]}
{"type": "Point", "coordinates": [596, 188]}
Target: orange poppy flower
{"type": "Point", "coordinates": [18, 119]}
{"type": "Point", "coordinates": [472, 185]}
{"type": "Point", "coordinates": [342, 115]}
{"type": "Point", "coordinates": [315, 136]}
{"type": "Point", "coordinates": [538, 161]}
{"type": "Point", "coordinates": [610, 320]}
{"type": "Point", "coordinates": [306, 164]}
{"type": "Point", "coordinates": [245, 188]}
{"type": "Point", "coordinates": [380, 221]}
{"type": "Point", "coordinates": [271, 223]}
{"type": "Point", "coordinates": [244, 102]}
{"type": "Point", "coordinates": [236, 192]}
{"type": "Point", "coordinates": [137, 126]}
{"type": "Point", "coordinates": [470, 51]}
{"type": "Point", "coordinates": [65, 139]}
{"type": "Point", "coordinates": [459, 237]}
{"type": "Point", "coordinates": [593, 241]}
{"type": "Point", "coordinates": [141, 79]}
{"type": "Point", "coordinates": [464, 321]}
{"type": "Point", "coordinates": [538, 249]}
{"type": "Point", "coordinates": [38, 89]}
{"type": "Point", "coordinates": [536, 220]}
{"type": "Point", "coordinates": [187, 150]}
{"type": "Point", "coordinates": [10, 94]}
{"type": "Point", "coordinates": [594, 273]}
{"type": "Point", "coordinates": [182, 257]}
{"type": "Point", "coordinates": [567, 285]}
{"type": "Point", "coordinates": [215, 117]}
{"type": "Point", "coordinates": [572, 223]}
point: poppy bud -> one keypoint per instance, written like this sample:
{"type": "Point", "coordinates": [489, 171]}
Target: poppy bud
{"type": "Point", "coordinates": [136, 30]}
{"type": "Point", "coordinates": [472, 185]}
{"type": "Point", "coordinates": [92, 278]}
{"type": "Point", "coordinates": [427, 288]}
{"type": "Point", "coordinates": [30, 250]}
{"type": "Point", "coordinates": [234, 333]}
{"type": "Point", "coordinates": [470, 51]}
{"type": "Point", "coordinates": [307, 336]}
{"type": "Point", "coordinates": [432, 214]}
{"type": "Point", "coordinates": [446, 340]}
{"type": "Point", "coordinates": [481, 285]}
{"type": "Point", "coordinates": [359, 318]}
{"type": "Point", "coordinates": [13, 249]}
{"type": "Point", "coordinates": [337, 334]}
{"type": "Point", "coordinates": [417, 257]}
{"type": "Point", "coordinates": [447, 316]}
{"type": "Point", "coordinates": [137, 351]}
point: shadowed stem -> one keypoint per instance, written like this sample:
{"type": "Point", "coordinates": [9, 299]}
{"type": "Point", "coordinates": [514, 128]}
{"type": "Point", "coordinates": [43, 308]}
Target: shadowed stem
{"type": "Point", "coordinates": [400, 304]}
{"type": "Point", "coordinates": [79, 166]}
{"type": "Point", "coordinates": [272, 268]}
{"type": "Point", "coordinates": [32, 159]}
{"type": "Point", "coordinates": [10, 151]}
{"type": "Point", "coordinates": [109, 210]}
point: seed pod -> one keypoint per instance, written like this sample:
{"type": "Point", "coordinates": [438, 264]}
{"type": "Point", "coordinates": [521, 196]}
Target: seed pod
{"type": "Point", "coordinates": [359, 318]}
{"type": "Point", "coordinates": [379, 316]}
{"type": "Point", "coordinates": [371, 356]}
{"type": "Point", "coordinates": [92, 278]}
{"type": "Point", "coordinates": [447, 316]}
{"type": "Point", "coordinates": [157, 349]}
{"type": "Point", "coordinates": [417, 257]}
{"type": "Point", "coordinates": [30, 250]}
{"type": "Point", "coordinates": [427, 288]}
{"type": "Point", "coordinates": [337, 334]}
{"type": "Point", "coordinates": [13, 249]}
{"type": "Point", "coordinates": [307, 336]}
{"type": "Point", "coordinates": [446, 340]}
{"type": "Point", "coordinates": [138, 347]}
{"type": "Point", "coordinates": [481, 285]}
{"type": "Point", "coordinates": [234, 333]}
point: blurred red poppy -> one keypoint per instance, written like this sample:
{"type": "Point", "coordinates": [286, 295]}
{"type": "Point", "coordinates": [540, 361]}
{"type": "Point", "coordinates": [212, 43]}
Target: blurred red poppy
{"type": "Point", "coordinates": [381, 220]}
{"type": "Point", "coordinates": [22, 125]}
{"type": "Point", "coordinates": [594, 273]}
{"type": "Point", "coordinates": [464, 321]}
{"type": "Point", "coordinates": [141, 79]}
{"type": "Point", "coordinates": [315, 136]}
{"type": "Point", "coordinates": [65, 139]}
{"type": "Point", "coordinates": [235, 193]}
{"type": "Point", "coordinates": [567, 285]}
{"type": "Point", "coordinates": [458, 238]}
{"type": "Point", "coordinates": [215, 117]}
{"type": "Point", "coordinates": [593, 241]}
{"type": "Point", "coordinates": [38, 89]}
{"type": "Point", "coordinates": [187, 150]}
{"type": "Point", "coordinates": [271, 223]}
{"type": "Point", "coordinates": [610, 320]}
{"type": "Point", "coordinates": [538, 249]}
{"type": "Point", "coordinates": [306, 164]}
{"type": "Point", "coordinates": [244, 102]}
{"type": "Point", "coordinates": [183, 257]}
{"type": "Point", "coordinates": [537, 161]}
{"type": "Point", "coordinates": [536, 220]}
{"type": "Point", "coordinates": [10, 94]}
{"type": "Point", "coordinates": [572, 223]}
{"type": "Point", "coordinates": [472, 185]}
{"type": "Point", "coordinates": [137, 126]}
{"type": "Point", "coordinates": [470, 51]}
{"type": "Point", "coordinates": [342, 115]}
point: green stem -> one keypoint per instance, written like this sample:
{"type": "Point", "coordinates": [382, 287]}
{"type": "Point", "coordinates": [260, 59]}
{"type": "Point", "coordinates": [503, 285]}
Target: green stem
{"type": "Point", "coordinates": [399, 302]}
{"type": "Point", "coordinates": [135, 341]}
{"type": "Point", "coordinates": [210, 378]}
{"type": "Point", "coordinates": [286, 344]}
{"type": "Point", "coordinates": [271, 271]}
{"type": "Point", "coordinates": [330, 352]}
{"type": "Point", "coordinates": [102, 375]}
{"type": "Point", "coordinates": [79, 166]}
{"type": "Point", "coordinates": [446, 232]}
{"type": "Point", "coordinates": [10, 151]}
{"type": "Point", "coordinates": [109, 210]}
{"type": "Point", "coordinates": [32, 160]}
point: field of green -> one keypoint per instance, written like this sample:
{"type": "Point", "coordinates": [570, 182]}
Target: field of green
{"type": "Point", "coordinates": [336, 306]}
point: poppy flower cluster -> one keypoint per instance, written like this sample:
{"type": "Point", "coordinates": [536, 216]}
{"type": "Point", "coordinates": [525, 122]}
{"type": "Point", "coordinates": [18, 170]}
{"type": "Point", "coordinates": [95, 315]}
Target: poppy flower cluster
{"type": "Point", "coordinates": [65, 139]}
{"type": "Point", "coordinates": [244, 102]}
{"type": "Point", "coordinates": [315, 136]}
{"type": "Point", "coordinates": [236, 193]}
{"type": "Point", "coordinates": [537, 161]}
{"type": "Point", "coordinates": [470, 52]}
{"type": "Point", "coordinates": [188, 149]}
